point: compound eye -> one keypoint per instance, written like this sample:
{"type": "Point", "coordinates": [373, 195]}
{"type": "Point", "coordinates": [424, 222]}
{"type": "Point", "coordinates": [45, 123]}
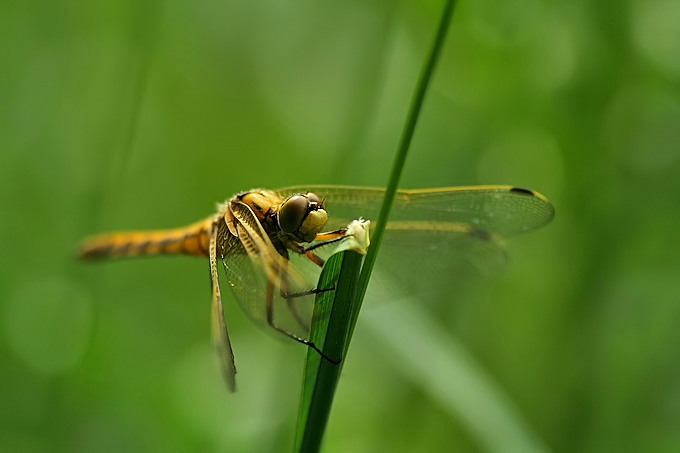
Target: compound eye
{"type": "Point", "coordinates": [292, 213]}
{"type": "Point", "coordinates": [314, 198]}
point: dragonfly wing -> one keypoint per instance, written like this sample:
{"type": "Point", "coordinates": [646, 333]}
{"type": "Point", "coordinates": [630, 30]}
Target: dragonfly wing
{"type": "Point", "coordinates": [437, 237]}
{"type": "Point", "coordinates": [500, 210]}
{"type": "Point", "coordinates": [252, 263]}
{"type": "Point", "coordinates": [442, 262]}
{"type": "Point", "coordinates": [219, 327]}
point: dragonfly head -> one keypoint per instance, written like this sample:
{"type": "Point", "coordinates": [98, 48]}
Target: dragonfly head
{"type": "Point", "coordinates": [302, 216]}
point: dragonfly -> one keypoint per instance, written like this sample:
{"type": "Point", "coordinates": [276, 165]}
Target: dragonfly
{"type": "Point", "coordinates": [273, 243]}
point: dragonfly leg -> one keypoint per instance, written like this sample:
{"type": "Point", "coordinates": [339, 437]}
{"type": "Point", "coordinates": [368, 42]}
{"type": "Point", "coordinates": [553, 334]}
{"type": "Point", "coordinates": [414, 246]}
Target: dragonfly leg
{"type": "Point", "coordinates": [289, 300]}
{"type": "Point", "coordinates": [272, 324]}
{"type": "Point", "coordinates": [331, 234]}
{"type": "Point", "coordinates": [323, 239]}
{"type": "Point", "coordinates": [311, 256]}
{"type": "Point", "coordinates": [314, 258]}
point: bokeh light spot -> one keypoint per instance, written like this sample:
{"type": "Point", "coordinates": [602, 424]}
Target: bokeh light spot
{"type": "Point", "coordinates": [47, 322]}
{"type": "Point", "coordinates": [656, 32]}
{"type": "Point", "coordinates": [641, 125]}
{"type": "Point", "coordinates": [528, 158]}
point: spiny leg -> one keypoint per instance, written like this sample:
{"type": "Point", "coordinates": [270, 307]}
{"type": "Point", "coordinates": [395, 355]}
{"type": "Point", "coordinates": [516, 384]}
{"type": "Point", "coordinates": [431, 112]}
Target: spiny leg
{"type": "Point", "coordinates": [323, 239]}
{"type": "Point", "coordinates": [289, 300]}
{"type": "Point", "coordinates": [271, 322]}
{"type": "Point", "coordinates": [331, 234]}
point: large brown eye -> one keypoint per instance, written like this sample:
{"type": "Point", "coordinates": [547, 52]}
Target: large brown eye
{"type": "Point", "coordinates": [292, 213]}
{"type": "Point", "coordinates": [314, 198]}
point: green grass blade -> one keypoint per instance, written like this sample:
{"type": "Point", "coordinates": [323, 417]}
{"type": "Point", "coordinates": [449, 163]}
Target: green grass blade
{"type": "Point", "coordinates": [333, 335]}
{"type": "Point", "coordinates": [402, 152]}
{"type": "Point", "coordinates": [333, 311]}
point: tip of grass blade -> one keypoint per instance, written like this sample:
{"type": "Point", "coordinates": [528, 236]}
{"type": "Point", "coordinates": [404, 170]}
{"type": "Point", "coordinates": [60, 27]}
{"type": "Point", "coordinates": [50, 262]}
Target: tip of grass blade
{"type": "Point", "coordinates": [333, 312]}
{"type": "Point", "coordinates": [332, 336]}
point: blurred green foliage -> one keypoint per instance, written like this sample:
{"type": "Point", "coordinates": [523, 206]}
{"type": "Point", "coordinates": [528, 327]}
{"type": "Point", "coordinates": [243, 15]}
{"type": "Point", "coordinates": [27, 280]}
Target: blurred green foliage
{"type": "Point", "coordinates": [118, 115]}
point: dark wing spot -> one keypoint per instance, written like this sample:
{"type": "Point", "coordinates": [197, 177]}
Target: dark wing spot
{"type": "Point", "coordinates": [257, 207]}
{"type": "Point", "coordinates": [480, 234]}
{"type": "Point", "coordinates": [522, 191]}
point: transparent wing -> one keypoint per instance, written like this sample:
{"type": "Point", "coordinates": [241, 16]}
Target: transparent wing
{"type": "Point", "coordinates": [500, 210]}
{"type": "Point", "coordinates": [436, 238]}
{"type": "Point", "coordinates": [219, 327]}
{"type": "Point", "coordinates": [258, 275]}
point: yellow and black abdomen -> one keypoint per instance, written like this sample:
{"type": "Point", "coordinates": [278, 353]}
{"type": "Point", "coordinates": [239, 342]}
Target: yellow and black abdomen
{"type": "Point", "coordinates": [190, 240]}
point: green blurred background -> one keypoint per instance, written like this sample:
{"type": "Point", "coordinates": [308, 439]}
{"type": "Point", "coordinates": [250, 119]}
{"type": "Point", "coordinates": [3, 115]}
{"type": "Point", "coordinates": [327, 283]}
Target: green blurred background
{"type": "Point", "coordinates": [126, 114]}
